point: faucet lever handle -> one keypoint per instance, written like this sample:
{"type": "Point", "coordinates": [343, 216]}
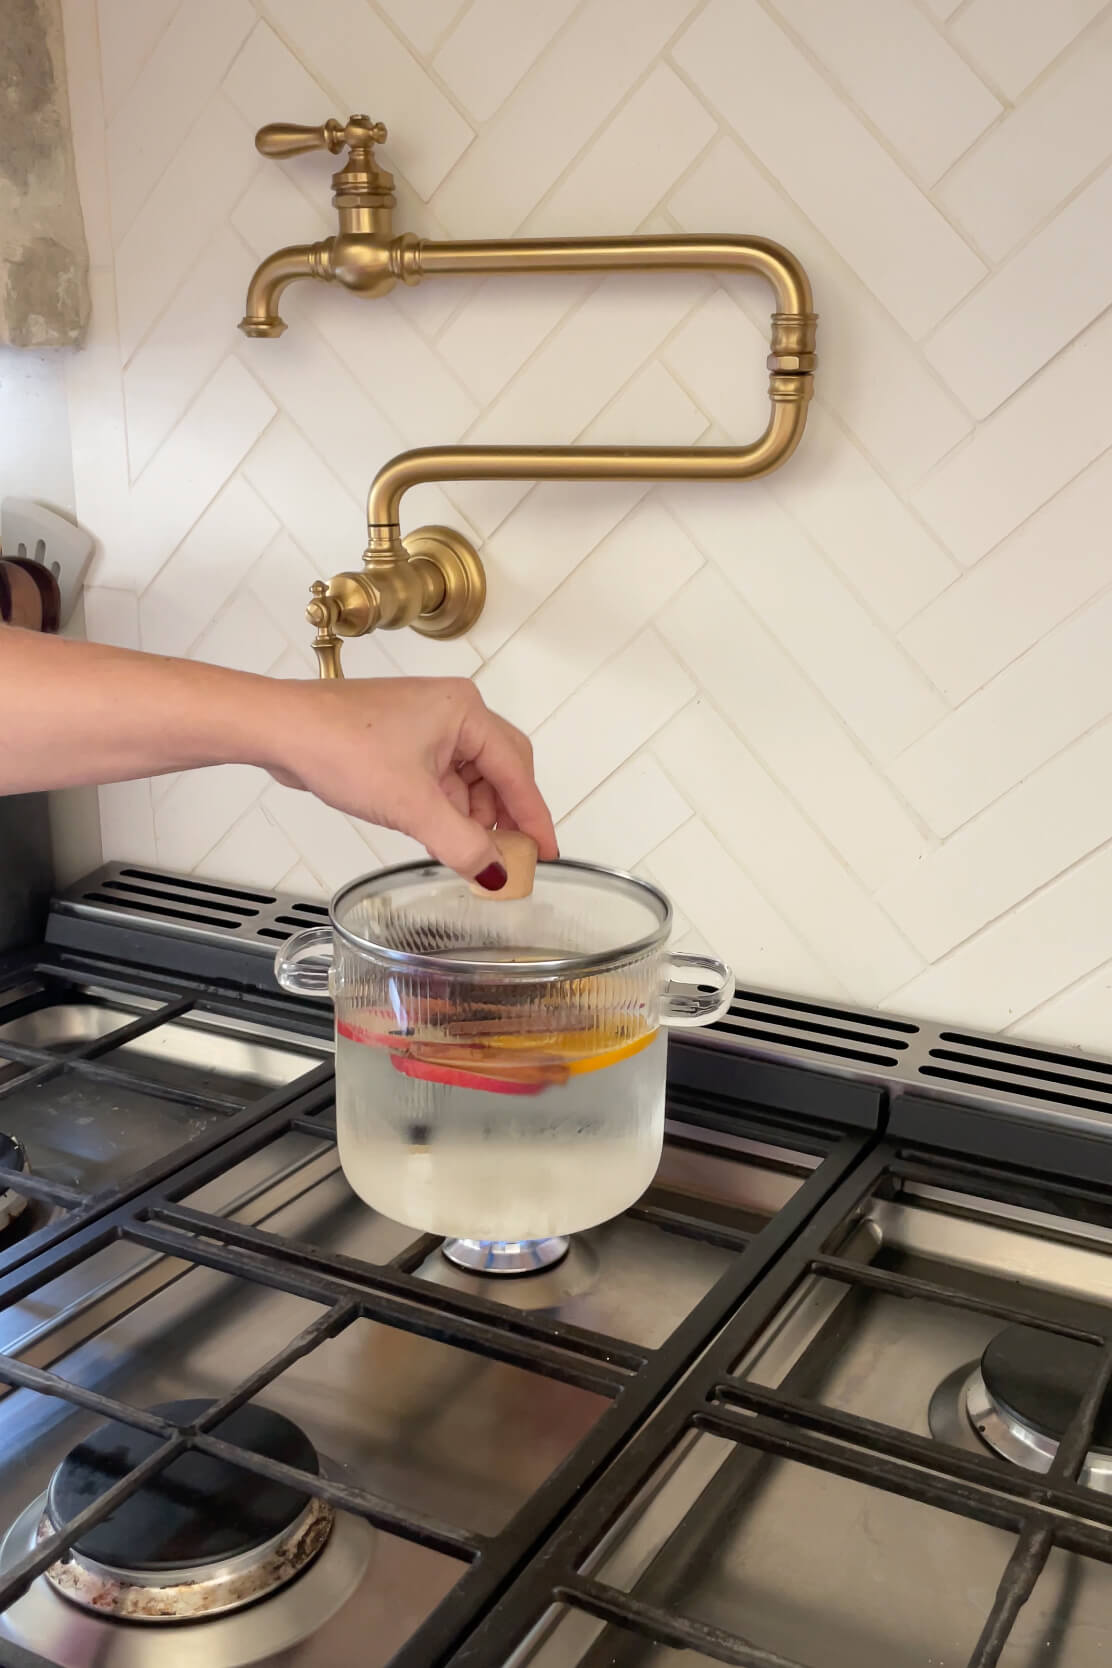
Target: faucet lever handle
{"type": "Point", "coordinates": [294, 139]}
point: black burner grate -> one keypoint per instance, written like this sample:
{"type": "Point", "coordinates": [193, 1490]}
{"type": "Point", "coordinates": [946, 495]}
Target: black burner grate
{"type": "Point", "coordinates": [1043, 1512]}
{"type": "Point", "coordinates": [147, 1212]}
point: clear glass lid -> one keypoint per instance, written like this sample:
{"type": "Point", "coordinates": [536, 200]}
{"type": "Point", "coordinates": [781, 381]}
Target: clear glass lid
{"type": "Point", "coordinates": [579, 919]}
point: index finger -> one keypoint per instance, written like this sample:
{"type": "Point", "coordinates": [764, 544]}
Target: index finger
{"type": "Point", "coordinates": [501, 754]}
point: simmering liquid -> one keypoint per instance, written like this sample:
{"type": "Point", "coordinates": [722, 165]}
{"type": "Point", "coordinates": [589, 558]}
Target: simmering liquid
{"type": "Point", "coordinates": [501, 1138]}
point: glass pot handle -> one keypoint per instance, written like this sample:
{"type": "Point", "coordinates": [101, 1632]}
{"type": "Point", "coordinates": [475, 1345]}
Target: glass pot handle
{"type": "Point", "coordinates": [303, 965]}
{"type": "Point", "coordinates": [684, 1007]}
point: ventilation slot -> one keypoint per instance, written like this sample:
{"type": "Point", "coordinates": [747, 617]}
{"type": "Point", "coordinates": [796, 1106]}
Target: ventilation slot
{"type": "Point", "coordinates": [879, 1022]}
{"type": "Point", "coordinates": [811, 1028]}
{"type": "Point", "coordinates": [1016, 1077]}
{"type": "Point", "coordinates": [193, 916]}
{"type": "Point", "coordinates": [1056, 1097]}
{"type": "Point", "coordinates": [1023, 1051]}
{"type": "Point", "coordinates": [181, 884]}
{"type": "Point", "coordinates": [128, 892]}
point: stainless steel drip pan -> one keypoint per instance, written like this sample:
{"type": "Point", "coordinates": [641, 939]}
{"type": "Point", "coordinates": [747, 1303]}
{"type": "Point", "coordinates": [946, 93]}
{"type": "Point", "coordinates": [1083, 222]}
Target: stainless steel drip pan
{"type": "Point", "coordinates": [88, 1132]}
{"type": "Point", "coordinates": [825, 1570]}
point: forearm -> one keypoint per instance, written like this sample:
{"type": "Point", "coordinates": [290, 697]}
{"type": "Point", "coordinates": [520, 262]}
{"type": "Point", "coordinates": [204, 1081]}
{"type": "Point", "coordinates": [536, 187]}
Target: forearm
{"type": "Point", "coordinates": [79, 712]}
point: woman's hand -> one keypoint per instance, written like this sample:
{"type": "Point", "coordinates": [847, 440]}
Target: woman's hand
{"type": "Point", "coordinates": [425, 756]}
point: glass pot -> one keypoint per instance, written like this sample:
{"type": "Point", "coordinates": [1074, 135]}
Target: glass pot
{"type": "Point", "coordinates": [500, 1065]}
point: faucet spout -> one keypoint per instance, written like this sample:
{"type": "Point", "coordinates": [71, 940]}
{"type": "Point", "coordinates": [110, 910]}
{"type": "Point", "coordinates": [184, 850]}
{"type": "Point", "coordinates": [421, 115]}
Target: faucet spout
{"type": "Point", "coordinates": [271, 277]}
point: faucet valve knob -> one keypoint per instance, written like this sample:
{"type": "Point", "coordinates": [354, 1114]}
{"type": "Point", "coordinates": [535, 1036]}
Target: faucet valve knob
{"type": "Point", "coordinates": [293, 139]}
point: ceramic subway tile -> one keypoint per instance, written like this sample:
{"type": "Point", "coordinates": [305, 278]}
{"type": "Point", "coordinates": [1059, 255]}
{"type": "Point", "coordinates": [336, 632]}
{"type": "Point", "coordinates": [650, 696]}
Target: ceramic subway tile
{"type": "Point", "coordinates": [1014, 41]}
{"type": "Point", "coordinates": [791, 729]}
{"type": "Point", "coordinates": [608, 600]}
{"type": "Point", "coordinates": [1030, 583]}
{"type": "Point", "coordinates": [1025, 452]}
{"type": "Point", "coordinates": [271, 213]}
{"type": "Point", "coordinates": [1005, 333]}
{"type": "Point", "coordinates": [621, 822]}
{"type": "Point", "coordinates": [192, 465]}
{"type": "Point", "coordinates": [300, 882]}
{"type": "Point", "coordinates": [127, 822]}
{"type": "Point", "coordinates": [128, 35]}
{"type": "Point", "coordinates": [616, 711]}
{"type": "Point", "coordinates": [1046, 822]}
{"type": "Point", "coordinates": [607, 339]}
{"type": "Point", "coordinates": [768, 835]}
{"type": "Point", "coordinates": [205, 177]}
{"type": "Point", "coordinates": [242, 637]}
{"type": "Point", "coordinates": [900, 72]}
{"type": "Point", "coordinates": [254, 852]}
{"type": "Point", "coordinates": [838, 173]}
{"type": "Point", "coordinates": [305, 495]}
{"type": "Point", "coordinates": [611, 188]}
{"type": "Point", "coordinates": [199, 809]}
{"type": "Point", "coordinates": [801, 599]}
{"type": "Point", "coordinates": [1059, 689]}
{"type": "Point", "coordinates": [493, 45]}
{"type": "Point", "coordinates": [387, 353]}
{"type": "Point", "coordinates": [201, 575]}
{"type": "Point", "coordinates": [266, 77]}
{"type": "Point", "coordinates": [424, 23]}
{"type": "Point", "coordinates": [309, 382]}
{"type": "Point", "coordinates": [1045, 943]}
{"type": "Point", "coordinates": [181, 74]}
{"type": "Point", "coordinates": [503, 323]}
{"type": "Point", "coordinates": [338, 45]}
{"type": "Point", "coordinates": [1071, 1018]}
{"type": "Point", "coordinates": [184, 349]}
{"type": "Point", "coordinates": [734, 917]}
{"type": "Point", "coordinates": [556, 107]}
{"type": "Point", "coordinates": [327, 841]}
{"type": "Point", "coordinates": [1040, 152]}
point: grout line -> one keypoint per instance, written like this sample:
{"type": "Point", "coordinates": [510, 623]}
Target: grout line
{"type": "Point", "coordinates": [1103, 968]}
{"type": "Point", "coordinates": [1006, 914]}
{"type": "Point", "coordinates": [478, 125]}
{"type": "Point", "coordinates": [109, 118]}
{"type": "Point", "coordinates": [923, 186]}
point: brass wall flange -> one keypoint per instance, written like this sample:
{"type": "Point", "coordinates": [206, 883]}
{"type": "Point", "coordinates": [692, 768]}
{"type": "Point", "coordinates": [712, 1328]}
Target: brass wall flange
{"type": "Point", "coordinates": [432, 580]}
{"type": "Point", "coordinates": [460, 570]}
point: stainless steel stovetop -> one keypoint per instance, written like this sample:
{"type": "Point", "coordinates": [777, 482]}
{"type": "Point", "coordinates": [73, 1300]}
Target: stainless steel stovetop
{"type": "Point", "coordinates": [832, 1394]}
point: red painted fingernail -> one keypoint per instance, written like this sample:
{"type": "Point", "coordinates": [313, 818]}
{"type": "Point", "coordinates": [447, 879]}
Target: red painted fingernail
{"type": "Point", "coordinates": [492, 878]}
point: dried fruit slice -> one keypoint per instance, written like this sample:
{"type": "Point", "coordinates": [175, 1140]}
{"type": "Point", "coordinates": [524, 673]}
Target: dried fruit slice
{"type": "Point", "coordinates": [523, 1081]}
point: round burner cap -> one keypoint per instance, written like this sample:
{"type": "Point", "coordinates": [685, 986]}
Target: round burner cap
{"type": "Point", "coordinates": [1041, 1378]}
{"type": "Point", "coordinates": [199, 1510]}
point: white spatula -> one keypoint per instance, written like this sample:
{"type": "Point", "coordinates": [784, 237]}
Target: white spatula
{"type": "Point", "coordinates": [35, 534]}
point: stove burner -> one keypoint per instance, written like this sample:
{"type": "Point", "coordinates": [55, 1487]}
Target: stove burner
{"type": "Point", "coordinates": [13, 1156]}
{"type": "Point", "coordinates": [506, 1256]}
{"type": "Point", "coordinates": [1025, 1392]}
{"type": "Point", "coordinates": [203, 1536]}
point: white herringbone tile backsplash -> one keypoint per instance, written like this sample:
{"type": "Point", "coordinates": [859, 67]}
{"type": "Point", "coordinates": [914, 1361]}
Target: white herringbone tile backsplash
{"type": "Point", "coordinates": [857, 719]}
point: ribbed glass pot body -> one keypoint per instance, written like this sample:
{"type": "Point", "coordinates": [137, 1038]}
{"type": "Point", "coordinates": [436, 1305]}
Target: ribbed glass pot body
{"type": "Point", "coordinates": [500, 1066]}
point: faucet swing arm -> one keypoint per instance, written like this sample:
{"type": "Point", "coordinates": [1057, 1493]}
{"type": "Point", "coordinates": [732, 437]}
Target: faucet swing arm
{"type": "Point", "coordinates": [433, 579]}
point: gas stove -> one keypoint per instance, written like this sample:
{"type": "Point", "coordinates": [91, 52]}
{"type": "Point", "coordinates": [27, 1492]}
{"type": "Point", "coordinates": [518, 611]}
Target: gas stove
{"type": "Point", "coordinates": [835, 1391]}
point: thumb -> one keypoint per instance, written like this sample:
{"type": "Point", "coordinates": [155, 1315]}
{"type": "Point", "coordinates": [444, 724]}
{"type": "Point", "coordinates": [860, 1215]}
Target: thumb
{"type": "Point", "coordinates": [453, 839]}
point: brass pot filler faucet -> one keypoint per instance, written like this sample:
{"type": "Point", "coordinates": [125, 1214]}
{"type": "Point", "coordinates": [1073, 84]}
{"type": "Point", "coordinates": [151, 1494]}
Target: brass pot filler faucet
{"type": "Point", "coordinates": [433, 579]}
